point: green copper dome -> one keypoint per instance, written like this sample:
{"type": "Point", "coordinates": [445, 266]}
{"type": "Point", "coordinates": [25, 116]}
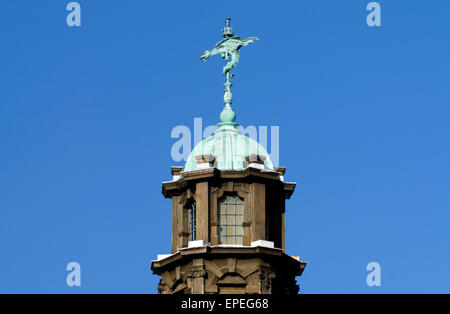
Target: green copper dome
{"type": "Point", "coordinates": [230, 149]}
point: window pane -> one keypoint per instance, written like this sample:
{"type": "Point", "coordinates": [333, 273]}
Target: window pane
{"type": "Point", "coordinates": [240, 209]}
{"type": "Point", "coordinates": [230, 230]}
{"type": "Point", "coordinates": [239, 220]}
{"type": "Point", "coordinates": [230, 209]}
{"type": "Point", "coordinates": [224, 209]}
{"type": "Point", "coordinates": [223, 220]}
{"type": "Point", "coordinates": [229, 220]}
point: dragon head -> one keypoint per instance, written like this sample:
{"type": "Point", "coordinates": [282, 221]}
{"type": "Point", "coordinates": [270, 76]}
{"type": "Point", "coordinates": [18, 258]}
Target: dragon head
{"type": "Point", "coordinates": [205, 55]}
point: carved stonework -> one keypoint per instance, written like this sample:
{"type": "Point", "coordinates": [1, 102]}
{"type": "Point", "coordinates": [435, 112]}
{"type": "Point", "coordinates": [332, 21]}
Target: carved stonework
{"type": "Point", "coordinates": [230, 270]}
{"type": "Point", "coordinates": [266, 275]}
{"type": "Point", "coordinates": [163, 288]}
{"type": "Point", "coordinates": [196, 273]}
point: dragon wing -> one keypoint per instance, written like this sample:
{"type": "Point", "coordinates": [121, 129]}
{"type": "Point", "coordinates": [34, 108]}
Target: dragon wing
{"type": "Point", "coordinates": [235, 43]}
{"type": "Point", "coordinates": [249, 40]}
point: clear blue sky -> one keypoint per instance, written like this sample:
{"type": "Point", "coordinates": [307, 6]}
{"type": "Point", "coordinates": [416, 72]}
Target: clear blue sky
{"type": "Point", "coordinates": [86, 115]}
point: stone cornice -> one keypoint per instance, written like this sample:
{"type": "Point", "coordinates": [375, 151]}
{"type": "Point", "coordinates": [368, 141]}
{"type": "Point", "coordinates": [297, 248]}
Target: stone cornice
{"type": "Point", "coordinates": [211, 252]}
{"type": "Point", "coordinates": [289, 188]}
{"type": "Point", "coordinates": [171, 188]}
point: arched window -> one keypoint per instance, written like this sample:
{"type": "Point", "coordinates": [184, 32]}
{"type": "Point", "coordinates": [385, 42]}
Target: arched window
{"type": "Point", "coordinates": [231, 217]}
{"type": "Point", "coordinates": [192, 221]}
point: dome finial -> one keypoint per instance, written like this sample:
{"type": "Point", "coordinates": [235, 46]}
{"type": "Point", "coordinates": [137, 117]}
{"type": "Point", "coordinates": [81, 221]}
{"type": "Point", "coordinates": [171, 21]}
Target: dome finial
{"type": "Point", "coordinates": [227, 116]}
{"type": "Point", "coordinates": [228, 48]}
{"type": "Point", "coordinates": [228, 31]}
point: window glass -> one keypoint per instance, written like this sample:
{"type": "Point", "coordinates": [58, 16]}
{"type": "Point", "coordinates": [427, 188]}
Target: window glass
{"type": "Point", "coordinates": [192, 220]}
{"type": "Point", "coordinates": [231, 217]}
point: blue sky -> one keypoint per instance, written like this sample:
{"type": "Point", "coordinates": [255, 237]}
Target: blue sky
{"type": "Point", "coordinates": [86, 115]}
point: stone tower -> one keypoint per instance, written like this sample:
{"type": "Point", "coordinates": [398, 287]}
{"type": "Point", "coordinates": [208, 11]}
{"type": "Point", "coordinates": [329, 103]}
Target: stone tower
{"type": "Point", "coordinates": [228, 211]}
